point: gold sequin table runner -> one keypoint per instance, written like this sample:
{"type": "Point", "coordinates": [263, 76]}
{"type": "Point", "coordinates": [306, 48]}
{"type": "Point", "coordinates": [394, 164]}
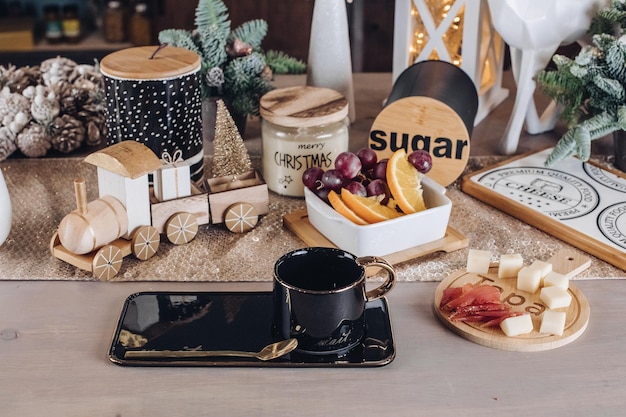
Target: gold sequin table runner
{"type": "Point", "coordinates": [42, 194]}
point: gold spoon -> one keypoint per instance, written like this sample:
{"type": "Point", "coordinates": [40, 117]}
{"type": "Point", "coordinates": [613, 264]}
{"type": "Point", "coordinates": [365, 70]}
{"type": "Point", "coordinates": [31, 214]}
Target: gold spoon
{"type": "Point", "coordinates": [269, 352]}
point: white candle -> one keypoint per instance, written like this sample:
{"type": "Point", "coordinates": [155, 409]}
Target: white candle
{"type": "Point", "coordinates": [5, 210]}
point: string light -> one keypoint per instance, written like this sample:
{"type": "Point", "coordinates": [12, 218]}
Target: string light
{"type": "Point", "coordinates": [452, 38]}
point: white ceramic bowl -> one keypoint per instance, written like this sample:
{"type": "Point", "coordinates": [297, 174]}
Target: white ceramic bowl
{"type": "Point", "coordinates": [385, 237]}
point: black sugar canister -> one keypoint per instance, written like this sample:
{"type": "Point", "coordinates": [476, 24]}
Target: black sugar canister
{"type": "Point", "coordinates": [432, 107]}
{"type": "Point", "coordinates": [153, 97]}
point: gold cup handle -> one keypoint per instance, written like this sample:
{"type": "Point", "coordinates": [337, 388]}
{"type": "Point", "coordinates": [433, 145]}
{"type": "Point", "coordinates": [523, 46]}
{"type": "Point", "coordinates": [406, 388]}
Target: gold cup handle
{"type": "Point", "coordinates": [385, 287]}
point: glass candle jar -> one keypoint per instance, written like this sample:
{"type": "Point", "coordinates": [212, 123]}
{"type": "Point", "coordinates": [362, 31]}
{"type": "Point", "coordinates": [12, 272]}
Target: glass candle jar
{"type": "Point", "coordinates": [301, 127]}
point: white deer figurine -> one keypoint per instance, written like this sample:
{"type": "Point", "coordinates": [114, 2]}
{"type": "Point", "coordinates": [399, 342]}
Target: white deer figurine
{"type": "Point", "coordinates": [534, 29]}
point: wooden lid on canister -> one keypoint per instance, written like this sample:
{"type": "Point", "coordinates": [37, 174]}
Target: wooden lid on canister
{"type": "Point", "coordinates": [142, 63]}
{"type": "Point", "coordinates": [303, 106]}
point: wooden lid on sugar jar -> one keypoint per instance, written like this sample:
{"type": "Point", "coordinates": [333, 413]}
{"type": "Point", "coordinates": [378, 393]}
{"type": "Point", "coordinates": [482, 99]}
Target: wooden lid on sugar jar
{"type": "Point", "coordinates": [148, 63]}
{"type": "Point", "coordinates": [303, 106]}
{"type": "Point", "coordinates": [432, 106]}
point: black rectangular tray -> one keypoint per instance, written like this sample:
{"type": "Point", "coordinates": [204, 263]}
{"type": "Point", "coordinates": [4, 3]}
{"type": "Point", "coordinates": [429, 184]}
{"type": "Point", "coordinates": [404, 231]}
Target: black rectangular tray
{"type": "Point", "coordinates": [239, 321]}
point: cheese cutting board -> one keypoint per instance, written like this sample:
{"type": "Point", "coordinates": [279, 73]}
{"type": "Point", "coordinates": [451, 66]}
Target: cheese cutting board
{"type": "Point", "coordinates": [565, 262]}
{"type": "Point", "coordinates": [577, 202]}
{"type": "Point", "coordinates": [298, 223]}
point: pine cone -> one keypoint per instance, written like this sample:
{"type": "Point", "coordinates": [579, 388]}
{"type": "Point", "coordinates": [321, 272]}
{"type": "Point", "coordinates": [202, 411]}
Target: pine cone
{"type": "Point", "coordinates": [45, 105]}
{"type": "Point", "coordinates": [86, 76]}
{"type": "Point", "coordinates": [25, 77]}
{"type": "Point", "coordinates": [7, 143]}
{"type": "Point", "coordinates": [68, 133]}
{"type": "Point", "coordinates": [12, 104]}
{"type": "Point", "coordinates": [215, 77]}
{"type": "Point", "coordinates": [6, 75]}
{"type": "Point", "coordinates": [95, 133]}
{"type": "Point", "coordinates": [56, 69]}
{"type": "Point", "coordinates": [92, 115]}
{"type": "Point", "coordinates": [71, 99]}
{"type": "Point", "coordinates": [237, 48]}
{"type": "Point", "coordinates": [33, 141]}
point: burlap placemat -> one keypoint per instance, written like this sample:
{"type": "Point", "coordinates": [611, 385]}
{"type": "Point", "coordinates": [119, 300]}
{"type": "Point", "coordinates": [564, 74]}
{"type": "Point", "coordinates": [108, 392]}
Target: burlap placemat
{"type": "Point", "coordinates": [42, 194]}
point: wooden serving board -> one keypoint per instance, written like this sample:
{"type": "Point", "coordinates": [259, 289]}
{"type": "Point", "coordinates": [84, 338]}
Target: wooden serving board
{"type": "Point", "coordinates": [577, 318]}
{"type": "Point", "coordinates": [298, 223]}
{"type": "Point", "coordinates": [577, 202]}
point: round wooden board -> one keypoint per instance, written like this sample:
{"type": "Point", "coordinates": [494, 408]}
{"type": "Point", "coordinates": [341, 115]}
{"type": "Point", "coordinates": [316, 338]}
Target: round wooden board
{"type": "Point", "coordinates": [576, 321]}
{"type": "Point", "coordinates": [442, 131]}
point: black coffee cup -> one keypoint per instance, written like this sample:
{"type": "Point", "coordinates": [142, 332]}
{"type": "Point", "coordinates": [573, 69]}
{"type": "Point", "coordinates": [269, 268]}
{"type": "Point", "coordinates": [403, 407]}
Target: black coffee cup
{"type": "Point", "coordinates": [320, 295]}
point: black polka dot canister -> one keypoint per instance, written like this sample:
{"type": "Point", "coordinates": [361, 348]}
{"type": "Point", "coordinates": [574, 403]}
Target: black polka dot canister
{"type": "Point", "coordinates": [153, 97]}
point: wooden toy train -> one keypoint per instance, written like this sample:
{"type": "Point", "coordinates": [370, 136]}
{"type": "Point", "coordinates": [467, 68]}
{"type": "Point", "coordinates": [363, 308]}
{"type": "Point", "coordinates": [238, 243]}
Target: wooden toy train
{"type": "Point", "coordinates": [130, 215]}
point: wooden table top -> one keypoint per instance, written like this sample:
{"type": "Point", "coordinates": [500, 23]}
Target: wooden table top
{"type": "Point", "coordinates": [54, 339]}
{"type": "Point", "coordinates": [55, 335]}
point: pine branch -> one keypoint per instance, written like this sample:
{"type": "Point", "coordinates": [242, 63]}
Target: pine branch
{"type": "Point", "coordinates": [281, 63]}
{"type": "Point", "coordinates": [180, 38]}
{"type": "Point", "coordinates": [251, 32]}
{"type": "Point", "coordinates": [577, 141]}
{"type": "Point", "coordinates": [212, 13]}
{"type": "Point", "coordinates": [213, 40]}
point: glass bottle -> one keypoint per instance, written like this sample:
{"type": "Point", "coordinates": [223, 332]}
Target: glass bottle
{"type": "Point", "coordinates": [71, 23]}
{"type": "Point", "coordinates": [114, 24]}
{"type": "Point", "coordinates": [140, 26]}
{"type": "Point", "coordinates": [54, 29]}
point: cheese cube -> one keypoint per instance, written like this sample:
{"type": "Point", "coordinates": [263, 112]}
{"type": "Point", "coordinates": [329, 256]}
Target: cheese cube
{"type": "Point", "coordinates": [553, 322]}
{"type": "Point", "coordinates": [555, 297]}
{"type": "Point", "coordinates": [510, 264]}
{"type": "Point", "coordinates": [478, 261]}
{"type": "Point", "coordinates": [528, 279]}
{"type": "Point", "coordinates": [554, 279]}
{"type": "Point", "coordinates": [544, 267]}
{"type": "Point", "coordinates": [514, 326]}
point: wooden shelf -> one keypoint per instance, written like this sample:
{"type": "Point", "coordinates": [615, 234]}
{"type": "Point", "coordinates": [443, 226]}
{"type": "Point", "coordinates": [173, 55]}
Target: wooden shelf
{"type": "Point", "coordinates": [89, 42]}
{"type": "Point", "coordinates": [91, 47]}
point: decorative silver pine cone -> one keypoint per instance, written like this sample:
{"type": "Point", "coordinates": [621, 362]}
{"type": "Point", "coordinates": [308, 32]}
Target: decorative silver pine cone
{"type": "Point", "coordinates": [7, 142]}
{"type": "Point", "coordinates": [56, 69]}
{"type": "Point", "coordinates": [33, 140]}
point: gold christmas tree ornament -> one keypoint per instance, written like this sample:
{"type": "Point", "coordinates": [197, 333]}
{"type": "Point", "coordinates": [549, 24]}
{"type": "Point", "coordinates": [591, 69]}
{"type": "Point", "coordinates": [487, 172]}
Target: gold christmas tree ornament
{"type": "Point", "coordinates": [230, 156]}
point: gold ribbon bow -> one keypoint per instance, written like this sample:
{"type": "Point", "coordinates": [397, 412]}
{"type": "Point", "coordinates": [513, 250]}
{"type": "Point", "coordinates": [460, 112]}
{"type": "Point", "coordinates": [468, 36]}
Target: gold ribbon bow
{"type": "Point", "coordinates": [172, 159]}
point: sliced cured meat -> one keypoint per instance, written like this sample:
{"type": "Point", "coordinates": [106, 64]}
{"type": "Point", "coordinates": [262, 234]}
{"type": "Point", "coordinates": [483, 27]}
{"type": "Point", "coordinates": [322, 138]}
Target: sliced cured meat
{"type": "Point", "coordinates": [475, 304]}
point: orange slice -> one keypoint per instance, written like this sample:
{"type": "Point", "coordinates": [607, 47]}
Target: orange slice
{"type": "Point", "coordinates": [405, 183]}
{"type": "Point", "coordinates": [340, 207]}
{"type": "Point", "coordinates": [368, 208]}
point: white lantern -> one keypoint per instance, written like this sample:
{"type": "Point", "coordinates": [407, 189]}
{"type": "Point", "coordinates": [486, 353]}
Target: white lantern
{"type": "Point", "coordinates": [456, 31]}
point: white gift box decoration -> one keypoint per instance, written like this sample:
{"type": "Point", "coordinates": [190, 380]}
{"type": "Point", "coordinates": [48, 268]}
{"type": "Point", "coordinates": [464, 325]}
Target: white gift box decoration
{"type": "Point", "coordinates": [172, 180]}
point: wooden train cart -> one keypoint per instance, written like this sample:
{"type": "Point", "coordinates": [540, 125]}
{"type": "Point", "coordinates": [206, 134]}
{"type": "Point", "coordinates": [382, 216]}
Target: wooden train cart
{"type": "Point", "coordinates": [101, 233]}
{"type": "Point", "coordinates": [238, 202]}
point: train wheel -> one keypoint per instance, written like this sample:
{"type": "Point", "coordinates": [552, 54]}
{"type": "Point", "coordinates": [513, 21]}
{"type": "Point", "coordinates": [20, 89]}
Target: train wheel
{"type": "Point", "coordinates": [145, 242]}
{"type": "Point", "coordinates": [107, 262]}
{"type": "Point", "coordinates": [181, 228]}
{"type": "Point", "coordinates": [54, 242]}
{"type": "Point", "coordinates": [241, 217]}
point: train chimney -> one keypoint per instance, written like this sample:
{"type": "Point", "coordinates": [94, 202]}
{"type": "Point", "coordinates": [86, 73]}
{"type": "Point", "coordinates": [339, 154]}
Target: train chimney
{"type": "Point", "coordinates": [81, 195]}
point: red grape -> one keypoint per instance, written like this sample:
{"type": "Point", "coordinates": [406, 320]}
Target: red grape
{"type": "Point", "coordinates": [376, 187]}
{"type": "Point", "coordinates": [356, 188]}
{"type": "Point", "coordinates": [367, 157]}
{"type": "Point", "coordinates": [323, 194]}
{"type": "Point", "coordinates": [348, 164]}
{"type": "Point", "coordinates": [380, 170]}
{"type": "Point", "coordinates": [333, 179]}
{"type": "Point", "coordinates": [379, 187]}
{"type": "Point", "coordinates": [421, 160]}
{"type": "Point", "coordinates": [312, 177]}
